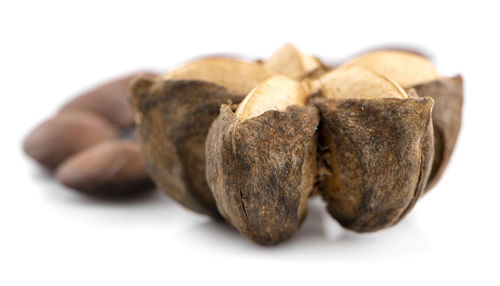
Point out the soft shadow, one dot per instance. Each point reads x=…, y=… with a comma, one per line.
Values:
x=320, y=238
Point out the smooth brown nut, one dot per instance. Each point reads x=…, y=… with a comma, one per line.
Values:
x=447, y=118
x=64, y=135
x=109, y=168
x=261, y=161
x=108, y=100
x=376, y=157
x=173, y=117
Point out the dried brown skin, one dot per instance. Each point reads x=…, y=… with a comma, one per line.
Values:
x=376, y=157
x=173, y=118
x=108, y=100
x=447, y=117
x=107, y=169
x=261, y=171
x=64, y=135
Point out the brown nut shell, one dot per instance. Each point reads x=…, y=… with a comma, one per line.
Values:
x=262, y=170
x=375, y=157
x=110, y=168
x=173, y=118
x=64, y=135
x=447, y=119
x=108, y=100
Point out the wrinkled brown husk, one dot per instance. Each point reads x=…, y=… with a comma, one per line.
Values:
x=262, y=170
x=375, y=158
x=447, y=118
x=173, y=118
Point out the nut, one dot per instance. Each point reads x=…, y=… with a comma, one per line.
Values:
x=79, y=143
x=109, y=168
x=261, y=160
x=376, y=148
x=413, y=71
x=66, y=134
x=173, y=114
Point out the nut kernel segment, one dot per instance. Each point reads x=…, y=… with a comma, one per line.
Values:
x=261, y=161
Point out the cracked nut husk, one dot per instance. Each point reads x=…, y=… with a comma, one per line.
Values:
x=173, y=114
x=261, y=160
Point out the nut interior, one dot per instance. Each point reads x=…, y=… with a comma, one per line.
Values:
x=275, y=93
x=355, y=82
x=235, y=75
x=290, y=61
x=405, y=68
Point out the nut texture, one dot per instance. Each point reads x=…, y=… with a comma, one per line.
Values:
x=376, y=157
x=447, y=118
x=173, y=118
x=262, y=170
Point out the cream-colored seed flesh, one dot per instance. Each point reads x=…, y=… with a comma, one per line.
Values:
x=235, y=75
x=276, y=93
x=291, y=62
x=355, y=82
x=405, y=68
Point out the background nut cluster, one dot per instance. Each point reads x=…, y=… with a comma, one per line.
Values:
x=89, y=143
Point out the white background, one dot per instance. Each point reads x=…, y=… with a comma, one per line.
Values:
x=50, y=235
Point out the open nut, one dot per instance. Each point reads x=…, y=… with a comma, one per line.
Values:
x=173, y=114
x=261, y=160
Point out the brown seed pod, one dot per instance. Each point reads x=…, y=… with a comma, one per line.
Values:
x=107, y=169
x=261, y=161
x=173, y=115
x=173, y=118
x=376, y=149
x=75, y=141
x=447, y=117
x=416, y=72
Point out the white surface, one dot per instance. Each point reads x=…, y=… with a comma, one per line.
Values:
x=50, y=235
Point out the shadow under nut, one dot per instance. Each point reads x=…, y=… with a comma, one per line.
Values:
x=173, y=118
x=262, y=170
x=64, y=135
x=447, y=119
x=376, y=157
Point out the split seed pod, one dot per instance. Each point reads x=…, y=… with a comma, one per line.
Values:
x=261, y=160
x=376, y=148
x=414, y=71
x=173, y=114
